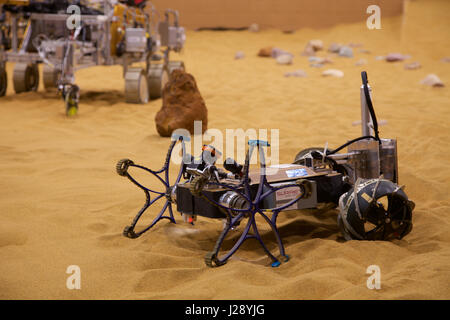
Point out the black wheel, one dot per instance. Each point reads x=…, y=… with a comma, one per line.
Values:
x=3, y=81
x=25, y=77
x=375, y=209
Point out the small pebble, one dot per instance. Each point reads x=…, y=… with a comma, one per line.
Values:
x=333, y=73
x=276, y=52
x=284, y=59
x=355, y=45
x=265, y=52
x=311, y=47
x=239, y=55
x=361, y=62
x=346, y=52
x=296, y=73
x=413, y=66
x=432, y=80
x=254, y=27
x=334, y=47
x=320, y=60
x=394, y=57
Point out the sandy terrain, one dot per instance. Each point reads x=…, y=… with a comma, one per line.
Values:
x=61, y=202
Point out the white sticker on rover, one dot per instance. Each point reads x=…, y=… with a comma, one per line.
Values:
x=296, y=173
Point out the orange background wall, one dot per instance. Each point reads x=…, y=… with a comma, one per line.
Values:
x=281, y=14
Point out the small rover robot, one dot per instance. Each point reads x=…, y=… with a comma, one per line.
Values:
x=362, y=182
x=67, y=36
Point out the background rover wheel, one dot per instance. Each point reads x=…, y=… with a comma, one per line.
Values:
x=25, y=77
x=376, y=210
x=136, y=86
x=3, y=81
x=157, y=79
x=50, y=77
x=174, y=65
x=71, y=101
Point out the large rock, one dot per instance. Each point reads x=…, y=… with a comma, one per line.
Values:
x=182, y=105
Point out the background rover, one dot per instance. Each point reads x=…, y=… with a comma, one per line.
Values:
x=363, y=182
x=109, y=33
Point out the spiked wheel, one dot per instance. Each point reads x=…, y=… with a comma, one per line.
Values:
x=166, y=192
x=375, y=209
x=240, y=203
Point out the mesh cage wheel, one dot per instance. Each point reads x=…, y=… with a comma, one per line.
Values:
x=375, y=209
x=175, y=65
x=25, y=77
x=157, y=79
x=50, y=77
x=136, y=86
x=3, y=81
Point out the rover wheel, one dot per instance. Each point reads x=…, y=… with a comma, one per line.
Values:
x=174, y=65
x=375, y=209
x=136, y=87
x=71, y=98
x=25, y=77
x=157, y=79
x=3, y=81
x=50, y=77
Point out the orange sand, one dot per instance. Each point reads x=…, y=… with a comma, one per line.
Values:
x=61, y=202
